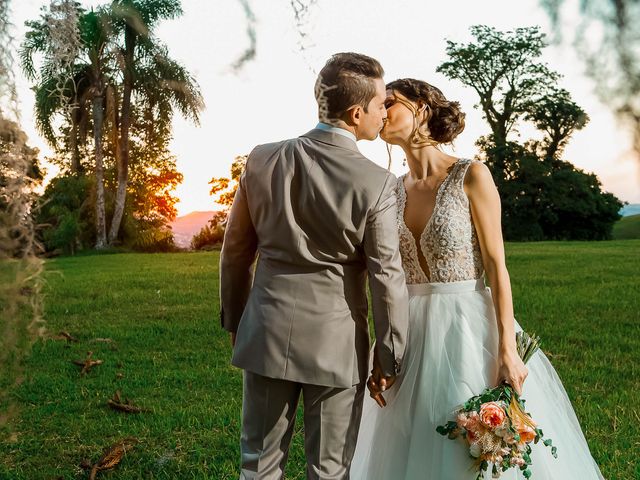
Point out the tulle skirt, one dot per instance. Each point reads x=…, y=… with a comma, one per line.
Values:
x=451, y=355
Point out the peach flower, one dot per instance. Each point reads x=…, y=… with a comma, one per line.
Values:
x=492, y=414
x=527, y=434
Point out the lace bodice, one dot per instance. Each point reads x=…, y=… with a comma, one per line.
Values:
x=449, y=241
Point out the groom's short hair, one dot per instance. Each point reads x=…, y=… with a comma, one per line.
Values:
x=347, y=79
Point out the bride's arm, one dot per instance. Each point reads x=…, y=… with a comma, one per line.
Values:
x=485, y=211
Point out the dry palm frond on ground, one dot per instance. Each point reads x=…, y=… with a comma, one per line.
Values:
x=112, y=456
x=88, y=363
x=67, y=336
x=126, y=406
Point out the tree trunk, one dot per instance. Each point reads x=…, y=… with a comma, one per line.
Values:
x=98, y=121
x=500, y=155
x=125, y=123
x=76, y=169
x=552, y=149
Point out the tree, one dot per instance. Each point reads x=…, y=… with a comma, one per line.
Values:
x=134, y=21
x=122, y=69
x=550, y=199
x=558, y=117
x=212, y=234
x=224, y=190
x=503, y=69
x=522, y=190
x=66, y=85
x=66, y=212
x=152, y=178
x=543, y=197
x=48, y=106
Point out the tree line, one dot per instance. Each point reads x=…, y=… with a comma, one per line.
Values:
x=106, y=89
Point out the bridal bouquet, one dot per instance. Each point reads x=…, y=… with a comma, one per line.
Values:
x=495, y=426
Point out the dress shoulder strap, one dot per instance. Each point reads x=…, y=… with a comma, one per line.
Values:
x=457, y=175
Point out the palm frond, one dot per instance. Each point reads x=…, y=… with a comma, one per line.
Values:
x=35, y=42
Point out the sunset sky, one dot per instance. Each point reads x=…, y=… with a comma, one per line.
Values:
x=271, y=98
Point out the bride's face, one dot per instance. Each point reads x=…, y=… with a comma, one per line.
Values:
x=400, y=118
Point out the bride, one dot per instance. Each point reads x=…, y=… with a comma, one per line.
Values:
x=461, y=334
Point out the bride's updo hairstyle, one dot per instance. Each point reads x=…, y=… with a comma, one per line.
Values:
x=444, y=120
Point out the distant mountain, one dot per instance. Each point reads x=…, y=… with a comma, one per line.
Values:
x=185, y=227
x=631, y=209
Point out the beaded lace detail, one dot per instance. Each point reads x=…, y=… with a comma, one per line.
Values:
x=449, y=241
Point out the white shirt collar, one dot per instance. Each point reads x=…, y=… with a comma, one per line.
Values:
x=340, y=131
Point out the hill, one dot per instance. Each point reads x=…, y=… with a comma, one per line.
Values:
x=185, y=227
x=627, y=228
x=631, y=209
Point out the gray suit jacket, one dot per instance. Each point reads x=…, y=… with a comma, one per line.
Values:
x=318, y=216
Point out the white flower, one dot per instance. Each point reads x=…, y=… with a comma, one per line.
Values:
x=475, y=450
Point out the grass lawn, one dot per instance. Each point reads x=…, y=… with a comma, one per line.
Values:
x=168, y=354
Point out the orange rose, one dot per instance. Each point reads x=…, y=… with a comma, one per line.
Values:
x=492, y=414
x=527, y=434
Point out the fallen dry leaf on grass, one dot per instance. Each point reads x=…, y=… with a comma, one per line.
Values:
x=87, y=364
x=67, y=336
x=116, y=403
x=112, y=456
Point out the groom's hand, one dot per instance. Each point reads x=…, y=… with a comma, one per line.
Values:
x=376, y=392
x=387, y=382
x=377, y=384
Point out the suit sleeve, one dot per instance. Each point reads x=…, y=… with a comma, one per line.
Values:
x=236, y=259
x=387, y=280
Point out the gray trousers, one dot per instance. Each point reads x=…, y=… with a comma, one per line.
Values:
x=331, y=423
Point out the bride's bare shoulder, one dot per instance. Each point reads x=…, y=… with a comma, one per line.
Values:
x=478, y=178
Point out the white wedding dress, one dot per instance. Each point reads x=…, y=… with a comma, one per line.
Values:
x=451, y=355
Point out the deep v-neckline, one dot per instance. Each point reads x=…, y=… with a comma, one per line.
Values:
x=417, y=246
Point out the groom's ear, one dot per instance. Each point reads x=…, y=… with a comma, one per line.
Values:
x=354, y=115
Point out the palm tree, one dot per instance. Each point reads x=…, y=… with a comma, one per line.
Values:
x=84, y=82
x=95, y=36
x=73, y=103
x=149, y=73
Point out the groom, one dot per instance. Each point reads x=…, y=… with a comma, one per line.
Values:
x=318, y=216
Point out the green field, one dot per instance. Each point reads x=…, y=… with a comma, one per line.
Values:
x=168, y=354
x=627, y=228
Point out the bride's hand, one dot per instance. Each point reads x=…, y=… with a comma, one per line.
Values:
x=512, y=371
